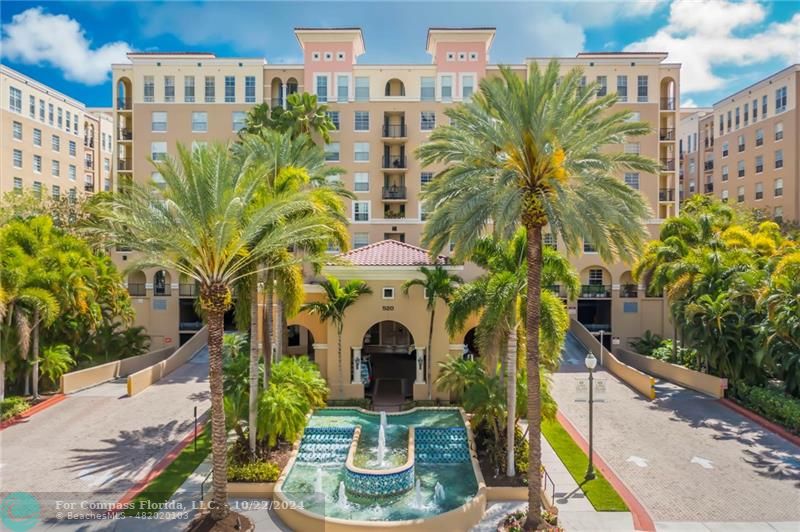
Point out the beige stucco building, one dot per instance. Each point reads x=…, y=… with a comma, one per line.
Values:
x=51, y=143
x=746, y=150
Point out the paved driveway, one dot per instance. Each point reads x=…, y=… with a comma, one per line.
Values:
x=94, y=445
x=685, y=456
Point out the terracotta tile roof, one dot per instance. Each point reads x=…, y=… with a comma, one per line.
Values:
x=391, y=253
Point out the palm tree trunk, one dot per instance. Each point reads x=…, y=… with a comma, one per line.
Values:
x=284, y=329
x=35, y=354
x=215, y=298
x=253, y=397
x=267, y=328
x=511, y=401
x=428, y=353
x=2, y=378
x=534, y=256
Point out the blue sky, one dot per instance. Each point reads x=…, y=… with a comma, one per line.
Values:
x=723, y=45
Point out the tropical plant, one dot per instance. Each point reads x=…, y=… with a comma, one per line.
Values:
x=303, y=115
x=200, y=224
x=303, y=375
x=338, y=298
x=282, y=413
x=647, y=342
x=531, y=152
x=55, y=361
x=437, y=284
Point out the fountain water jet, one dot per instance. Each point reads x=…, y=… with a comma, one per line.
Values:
x=417, y=495
x=318, y=481
x=438, y=493
x=383, y=419
x=342, y=500
x=381, y=445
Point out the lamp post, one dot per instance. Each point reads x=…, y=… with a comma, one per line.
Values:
x=591, y=363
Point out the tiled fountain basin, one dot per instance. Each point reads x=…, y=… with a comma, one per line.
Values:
x=379, y=482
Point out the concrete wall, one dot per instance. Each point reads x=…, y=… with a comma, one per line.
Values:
x=140, y=380
x=84, y=378
x=700, y=382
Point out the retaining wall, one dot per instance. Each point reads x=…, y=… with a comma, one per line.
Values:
x=84, y=378
x=139, y=381
x=688, y=378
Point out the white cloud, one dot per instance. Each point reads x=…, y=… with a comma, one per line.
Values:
x=688, y=102
x=708, y=33
x=34, y=37
x=548, y=33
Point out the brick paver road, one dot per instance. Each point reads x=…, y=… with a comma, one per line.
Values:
x=97, y=443
x=685, y=456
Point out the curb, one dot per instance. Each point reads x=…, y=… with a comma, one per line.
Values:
x=35, y=409
x=159, y=467
x=765, y=423
x=641, y=517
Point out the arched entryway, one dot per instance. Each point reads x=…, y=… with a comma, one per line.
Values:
x=300, y=341
x=388, y=363
x=471, y=344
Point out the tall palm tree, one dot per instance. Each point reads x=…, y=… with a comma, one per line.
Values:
x=438, y=284
x=533, y=152
x=303, y=115
x=201, y=224
x=338, y=298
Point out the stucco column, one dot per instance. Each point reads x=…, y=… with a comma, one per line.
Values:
x=420, y=366
x=356, y=366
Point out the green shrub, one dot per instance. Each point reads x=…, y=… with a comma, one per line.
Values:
x=253, y=472
x=686, y=357
x=646, y=343
x=12, y=406
x=773, y=404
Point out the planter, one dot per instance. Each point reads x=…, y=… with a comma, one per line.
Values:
x=251, y=490
x=506, y=493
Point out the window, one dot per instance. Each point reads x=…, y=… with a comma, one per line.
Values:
x=334, y=116
x=550, y=241
x=250, y=89
x=630, y=307
x=778, y=213
x=32, y=106
x=467, y=86
x=641, y=89
x=778, y=158
x=41, y=110
x=106, y=165
x=106, y=184
x=427, y=120
x=759, y=164
x=361, y=182
x=55, y=168
x=741, y=143
x=425, y=178
x=725, y=172
x=37, y=137
x=17, y=184
x=778, y=189
x=199, y=122
x=622, y=88
x=361, y=211
x=72, y=172
x=158, y=121
x=361, y=122
x=15, y=99
x=427, y=91
x=632, y=147
x=50, y=111
x=759, y=137
x=692, y=167
x=755, y=110
x=60, y=116
x=16, y=130
x=740, y=194
x=37, y=189
x=632, y=180
x=198, y=144
x=332, y=151
x=55, y=142
x=759, y=191
x=740, y=168
x=17, y=158
x=588, y=247
x=75, y=125
x=238, y=120
x=724, y=149
x=56, y=192
x=778, y=131
x=149, y=89
x=362, y=89
x=388, y=293
x=169, y=88
x=158, y=151
x=210, y=92
x=746, y=113
x=360, y=240
x=342, y=88
x=322, y=88
x=729, y=121
x=37, y=164
x=736, y=121
x=361, y=151
x=447, y=88
x=721, y=124
x=68, y=122
x=72, y=148
x=780, y=100
x=230, y=89
x=188, y=89
x=602, y=81
x=635, y=116
x=595, y=276
x=724, y=196
x=157, y=179
x=764, y=106
x=340, y=56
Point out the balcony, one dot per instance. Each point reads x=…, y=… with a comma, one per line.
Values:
x=89, y=165
x=124, y=166
x=628, y=291
x=668, y=164
x=188, y=290
x=137, y=289
x=666, y=194
x=394, y=131
x=162, y=290
x=394, y=215
x=667, y=104
x=124, y=134
x=708, y=188
x=708, y=166
x=123, y=104
x=593, y=291
x=394, y=162
x=88, y=142
x=394, y=192
x=88, y=187
x=666, y=133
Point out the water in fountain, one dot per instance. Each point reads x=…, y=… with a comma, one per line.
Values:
x=342, y=501
x=383, y=419
x=438, y=493
x=318, y=481
x=418, y=495
x=381, y=444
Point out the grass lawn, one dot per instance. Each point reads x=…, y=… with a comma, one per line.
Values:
x=600, y=493
x=164, y=485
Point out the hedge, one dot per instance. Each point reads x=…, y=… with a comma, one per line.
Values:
x=773, y=404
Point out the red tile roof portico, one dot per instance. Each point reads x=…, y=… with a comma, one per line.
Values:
x=391, y=253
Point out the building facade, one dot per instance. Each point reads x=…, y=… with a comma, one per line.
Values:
x=748, y=145
x=50, y=143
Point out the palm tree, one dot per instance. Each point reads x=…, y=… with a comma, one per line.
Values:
x=200, y=223
x=438, y=284
x=533, y=152
x=338, y=298
x=303, y=116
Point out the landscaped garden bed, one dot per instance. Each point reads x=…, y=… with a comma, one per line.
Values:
x=771, y=403
x=514, y=522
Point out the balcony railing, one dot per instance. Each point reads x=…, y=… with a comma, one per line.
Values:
x=188, y=289
x=668, y=104
x=137, y=289
x=394, y=192
x=394, y=161
x=190, y=325
x=666, y=194
x=779, y=163
x=165, y=290
x=668, y=164
x=88, y=142
x=708, y=165
x=122, y=103
x=89, y=165
x=708, y=188
x=88, y=187
x=759, y=168
x=124, y=165
x=124, y=134
x=394, y=215
x=760, y=141
x=595, y=290
x=628, y=291
x=666, y=133
x=394, y=130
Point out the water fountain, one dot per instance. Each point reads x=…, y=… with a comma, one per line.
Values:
x=438, y=493
x=318, y=481
x=341, y=502
x=418, y=495
x=381, y=445
x=383, y=419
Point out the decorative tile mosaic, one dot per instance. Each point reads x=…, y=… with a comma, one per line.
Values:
x=379, y=485
x=325, y=444
x=441, y=445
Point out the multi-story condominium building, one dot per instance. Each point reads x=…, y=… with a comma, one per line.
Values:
x=748, y=145
x=51, y=143
x=690, y=158
x=382, y=114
